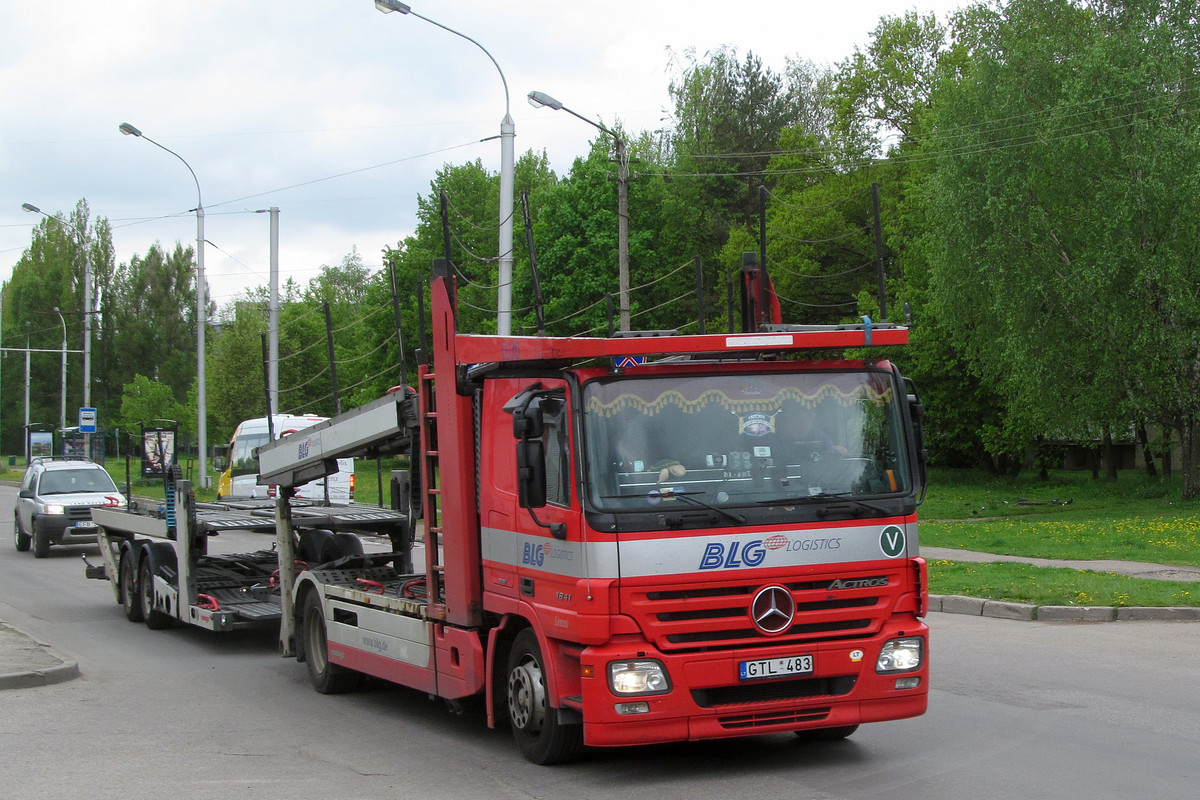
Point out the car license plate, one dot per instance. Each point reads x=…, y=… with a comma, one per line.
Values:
x=85, y=524
x=775, y=667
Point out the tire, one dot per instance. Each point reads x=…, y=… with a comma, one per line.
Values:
x=41, y=542
x=322, y=546
x=22, y=539
x=326, y=678
x=130, y=598
x=826, y=734
x=542, y=738
x=155, y=620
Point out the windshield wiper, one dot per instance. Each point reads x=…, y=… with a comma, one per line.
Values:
x=850, y=496
x=738, y=518
x=806, y=498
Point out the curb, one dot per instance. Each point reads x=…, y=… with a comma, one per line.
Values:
x=996, y=609
x=36, y=665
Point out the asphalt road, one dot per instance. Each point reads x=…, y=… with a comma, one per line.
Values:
x=1017, y=710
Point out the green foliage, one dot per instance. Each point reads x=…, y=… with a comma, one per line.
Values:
x=1071, y=271
x=146, y=402
x=151, y=306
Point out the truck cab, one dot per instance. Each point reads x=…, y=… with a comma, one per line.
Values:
x=710, y=549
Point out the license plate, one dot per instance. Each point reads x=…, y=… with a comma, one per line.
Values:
x=775, y=667
x=85, y=524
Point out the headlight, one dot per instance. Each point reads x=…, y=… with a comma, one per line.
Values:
x=645, y=676
x=54, y=510
x=901, y=655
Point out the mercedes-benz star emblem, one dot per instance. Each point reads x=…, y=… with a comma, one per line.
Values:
x=772, y=610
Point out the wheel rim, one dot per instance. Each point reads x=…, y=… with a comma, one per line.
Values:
x=314, y=629
x=127, y=588
x=527, y=696
x=147, y=593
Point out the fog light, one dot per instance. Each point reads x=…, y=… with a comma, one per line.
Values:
x=640, y=707
x=908, y=683
x=645, y=676
x=900, y=655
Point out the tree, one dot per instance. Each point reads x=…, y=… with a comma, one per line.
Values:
x=49, y=275
x=1065, y=194
x=144, y=401
x=150, y=306
x=729, y=112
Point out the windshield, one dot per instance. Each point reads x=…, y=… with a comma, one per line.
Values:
x=745, y=439
x=241, y=453
x=68, y=481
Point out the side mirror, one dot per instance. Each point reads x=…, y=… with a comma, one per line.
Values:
x=531, y=473
x=218, y=464
x=27, y=494
x=529, y=421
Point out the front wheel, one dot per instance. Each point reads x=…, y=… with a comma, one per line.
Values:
x=41, y=542
x=543, y=739
x=23, y=539
x=326, y=678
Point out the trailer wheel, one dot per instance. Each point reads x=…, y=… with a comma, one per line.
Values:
x=326, y=678
x=155, y=619
x=826, y=734
x=543, y=739
x=23, y=540
x=130, y=600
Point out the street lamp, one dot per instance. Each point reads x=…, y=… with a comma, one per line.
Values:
x=87, y=312
x=201, y=310
x=508, y=132
x=273, y=315
x=62, y=412
x=540, y=99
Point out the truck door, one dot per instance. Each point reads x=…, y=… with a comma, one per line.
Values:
x=532, y=548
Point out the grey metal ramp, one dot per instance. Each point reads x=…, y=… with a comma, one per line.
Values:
x=214, y=521
x=382, y=427
x=346, y=517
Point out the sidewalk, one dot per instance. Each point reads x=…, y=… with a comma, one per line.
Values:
x=26, y=662
x=953, y=604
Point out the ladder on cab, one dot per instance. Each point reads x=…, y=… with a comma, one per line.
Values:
x=431, y=492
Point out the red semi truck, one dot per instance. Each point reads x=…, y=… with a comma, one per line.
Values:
x=633, y=539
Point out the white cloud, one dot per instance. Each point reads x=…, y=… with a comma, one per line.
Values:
x=267, y=94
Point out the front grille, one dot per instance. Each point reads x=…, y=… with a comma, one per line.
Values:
x=769, y=692
x=79, y=513
x=715, y=616
x=772, y=718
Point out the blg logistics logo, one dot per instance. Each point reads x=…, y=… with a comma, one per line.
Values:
x=732, y=555
x=736, y=554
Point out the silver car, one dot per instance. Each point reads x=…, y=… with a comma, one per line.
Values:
x=56, y=500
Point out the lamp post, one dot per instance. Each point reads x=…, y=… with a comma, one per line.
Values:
x=87, y=313
x=540, y=99
x=508, y=132
x=27, y=392
x=62, y=412
x=201, y=311
x=273, y=314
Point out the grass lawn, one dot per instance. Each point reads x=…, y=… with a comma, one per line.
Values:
x=1070, y=516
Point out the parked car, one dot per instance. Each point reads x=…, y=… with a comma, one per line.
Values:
x=56, y=500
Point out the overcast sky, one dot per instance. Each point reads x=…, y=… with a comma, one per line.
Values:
x=335, y=113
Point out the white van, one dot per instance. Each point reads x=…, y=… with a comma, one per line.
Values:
x=239, y=478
